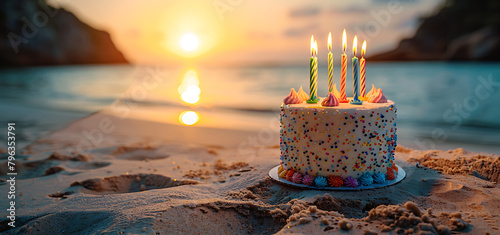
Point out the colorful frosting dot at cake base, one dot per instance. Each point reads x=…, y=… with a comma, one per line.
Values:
x=297, y=178
x=390, y=174
x=308, y=180
x=280, y=169
x=335, y=181
x=283, y=174
x=289, y=175
x=378, y=178
x=366, y=179
x=320, y=181
x=350, y=182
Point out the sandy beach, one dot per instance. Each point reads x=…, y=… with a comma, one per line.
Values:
x=106, y=174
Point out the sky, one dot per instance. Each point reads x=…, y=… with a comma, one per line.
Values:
x=241, y=32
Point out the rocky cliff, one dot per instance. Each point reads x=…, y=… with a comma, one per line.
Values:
x=460, y=30
x=34, y=33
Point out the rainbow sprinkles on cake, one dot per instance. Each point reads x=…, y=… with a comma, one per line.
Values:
x=338, y=141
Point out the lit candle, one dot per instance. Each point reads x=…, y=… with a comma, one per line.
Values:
x=362, y=65
x=330, y=63
x=343, y=69
x=355, y=73
x=313, y=72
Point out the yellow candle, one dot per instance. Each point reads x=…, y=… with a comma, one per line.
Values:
x=330, y=63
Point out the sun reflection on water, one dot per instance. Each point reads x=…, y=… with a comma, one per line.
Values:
x=189, y=88
x=190, y=93
x=189, y=118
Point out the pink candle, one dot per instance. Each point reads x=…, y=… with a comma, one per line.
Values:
x=343, y=70
x=362, y=64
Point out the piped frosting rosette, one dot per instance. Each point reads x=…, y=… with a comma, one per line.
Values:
x=379, y=178
x=366, y=179
x=320, y=181
x=377, y=97
x=370, y=93
x=302, y=94
x=330, y=101
x=308, y=180
x=292, y=98
x=350, y=182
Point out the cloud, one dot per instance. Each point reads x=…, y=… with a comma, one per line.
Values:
x=351, y=9
x=305, y=12
x=302, y=31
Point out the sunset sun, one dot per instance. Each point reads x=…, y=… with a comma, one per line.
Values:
x=189, y=42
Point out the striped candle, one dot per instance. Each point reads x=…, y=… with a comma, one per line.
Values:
x=330, y=72
x=330, y=63
x=355, y=71
x=343, y=74
x=355, y=77
x=362, y=65
x=313, y=79
x=363, y=81
x=313, y=73
x=343, y=69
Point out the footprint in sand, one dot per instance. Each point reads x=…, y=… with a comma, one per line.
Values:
x=129, y=183
x=139, y=152
x=55, y=163
x=65, y=222
x=220, y=218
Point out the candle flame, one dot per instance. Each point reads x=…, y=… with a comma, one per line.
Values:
x=354, y=45
x=312, y=45
x=315, y=47
x=363, y=49
x=330, y=42
x=344, y=41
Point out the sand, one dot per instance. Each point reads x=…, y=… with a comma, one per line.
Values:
x=142, y=177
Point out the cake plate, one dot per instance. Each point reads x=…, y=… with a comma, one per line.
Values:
x=400, y=176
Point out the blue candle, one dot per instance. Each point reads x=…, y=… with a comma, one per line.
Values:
x=355, y=77
x=355, y=74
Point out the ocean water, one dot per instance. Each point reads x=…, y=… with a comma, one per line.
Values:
x=440, y=105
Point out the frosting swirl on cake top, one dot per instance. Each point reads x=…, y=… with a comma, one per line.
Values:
x=292, y=98
x=330, y=100
x=377, y=97
x=302, y=94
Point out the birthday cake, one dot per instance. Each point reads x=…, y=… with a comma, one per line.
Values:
x=337, y=144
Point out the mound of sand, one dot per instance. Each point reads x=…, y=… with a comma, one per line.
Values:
x=482, y=166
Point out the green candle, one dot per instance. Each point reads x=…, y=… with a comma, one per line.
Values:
x=313, y=73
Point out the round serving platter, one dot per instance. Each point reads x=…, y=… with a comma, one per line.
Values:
x=273, y=173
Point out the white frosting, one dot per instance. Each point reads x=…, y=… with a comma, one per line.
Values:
x=325, y=141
